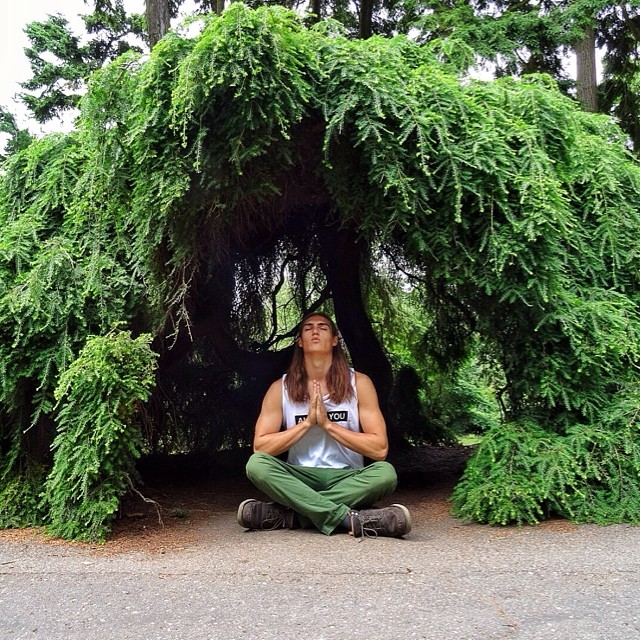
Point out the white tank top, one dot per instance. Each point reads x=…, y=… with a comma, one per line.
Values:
x=316, y=448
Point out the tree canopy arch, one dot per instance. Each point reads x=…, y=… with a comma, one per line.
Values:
x=197, y=178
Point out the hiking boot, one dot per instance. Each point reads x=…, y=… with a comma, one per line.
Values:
x=393, y=522
x=266, y=516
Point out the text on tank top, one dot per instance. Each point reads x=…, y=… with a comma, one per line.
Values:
x=316, y=448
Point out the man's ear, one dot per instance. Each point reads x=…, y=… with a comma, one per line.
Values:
x=335, y=341
x=299, y=342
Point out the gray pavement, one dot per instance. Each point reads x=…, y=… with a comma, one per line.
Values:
x=445, y=580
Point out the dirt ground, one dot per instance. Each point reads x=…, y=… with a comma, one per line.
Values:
x=178, y=495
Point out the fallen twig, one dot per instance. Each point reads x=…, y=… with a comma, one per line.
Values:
x=148, y=500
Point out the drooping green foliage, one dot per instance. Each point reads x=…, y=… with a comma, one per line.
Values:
x=517, y=37
x=20, y=499
x=97, y=443
x=505, y=37
x=522, y=473
x=261, y=152
x=62, y=275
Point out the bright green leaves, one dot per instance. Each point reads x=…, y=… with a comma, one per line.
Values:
x=377, y=148
x=248, y=80
x=61, y=267
x=521, y=473
x=515, y=214
x=501, y=483
x=98, y=440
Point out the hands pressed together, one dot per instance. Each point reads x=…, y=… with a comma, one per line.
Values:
x=370, y=440
x=317, y=415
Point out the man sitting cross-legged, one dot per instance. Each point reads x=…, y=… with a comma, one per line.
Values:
x=327, y=418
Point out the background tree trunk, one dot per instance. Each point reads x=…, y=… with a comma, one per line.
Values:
x=366, y=17
x=586, y=80
x=342, y=252
x=158, y=20
x=316, y=8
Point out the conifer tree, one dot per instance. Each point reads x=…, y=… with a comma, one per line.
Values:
x=155, y=260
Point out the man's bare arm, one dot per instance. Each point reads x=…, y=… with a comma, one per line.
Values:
x=372, y=441
x=268, y=437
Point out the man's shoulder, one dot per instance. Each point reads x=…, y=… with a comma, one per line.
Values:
x=361, y=377
x=275, y=389
x=364, y=386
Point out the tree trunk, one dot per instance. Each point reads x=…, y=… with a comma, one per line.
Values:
x=366, y=17
x=158, y=20
x=316, y=8
x=341, y=263
x=219, y=7
x=587, y=81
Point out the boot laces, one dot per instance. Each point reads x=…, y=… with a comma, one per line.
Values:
x=366, y=526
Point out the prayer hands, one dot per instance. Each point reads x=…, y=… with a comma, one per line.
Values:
x=321, y=411
x=317, y=411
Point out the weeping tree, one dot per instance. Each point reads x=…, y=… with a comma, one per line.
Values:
x=155, y=260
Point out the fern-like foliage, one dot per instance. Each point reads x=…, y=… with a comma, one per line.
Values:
x=522, y=473
x=515, y=215
x=20, y=504
x=98, y=439
x=501, y=484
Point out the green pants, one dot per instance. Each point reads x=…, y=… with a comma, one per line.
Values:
x=321, y=497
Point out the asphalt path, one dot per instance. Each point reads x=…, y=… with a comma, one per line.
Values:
x=444, y=580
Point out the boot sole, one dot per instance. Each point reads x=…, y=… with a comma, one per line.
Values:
x=240, y=510
x=407, y=516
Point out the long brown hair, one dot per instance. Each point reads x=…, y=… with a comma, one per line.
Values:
x=338, y=376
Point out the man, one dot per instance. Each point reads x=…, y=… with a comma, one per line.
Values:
x=326, y=417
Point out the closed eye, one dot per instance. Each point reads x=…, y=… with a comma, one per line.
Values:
x=310, y=327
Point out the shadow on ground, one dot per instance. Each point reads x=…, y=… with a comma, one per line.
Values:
x=179, y=494
x=180, y=497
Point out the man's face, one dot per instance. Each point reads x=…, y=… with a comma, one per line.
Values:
x=316, y=335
